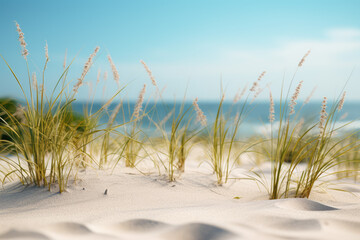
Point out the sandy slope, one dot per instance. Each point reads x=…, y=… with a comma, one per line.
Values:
x=149, y=207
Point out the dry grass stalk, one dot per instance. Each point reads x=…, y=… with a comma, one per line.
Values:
x=34, y=81
x=295, y=97
x=42, y=89
x=139, y=103
x=166, y=118
x=46, y=52
x=256, y=83
x=236, y=119
x=200, y=117
x=149, y=73
x=98, y=76
x=261, y=75
x=239, y=95
x=24, y=51
x=272, y=109
x=163, y=90
x=298, y=127
x=258, y=92
x=310, y=96
x=254, y=86
x=341, y=103
x=105, y=75
x=114, y=70
x=114, y=114
x=91, y=88
x=303, y=59
x=323, y=116
x=19, y=112
x=344, y=116
x=85, y=70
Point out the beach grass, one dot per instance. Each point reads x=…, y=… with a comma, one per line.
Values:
x=45, y=142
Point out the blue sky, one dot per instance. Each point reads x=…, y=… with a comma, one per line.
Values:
x=190, y=46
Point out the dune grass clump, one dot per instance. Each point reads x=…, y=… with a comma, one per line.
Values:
x=221, y=145
x=177, y=140
x=48, y=142
x=224, y=143
x=300, y=153
x=132, y=138
x=325, y=150
x=44, y=142
x=128, y=139
x=172, y=145
x=107, y=139
x=288, y=147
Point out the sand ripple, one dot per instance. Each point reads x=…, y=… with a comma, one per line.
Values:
x=70, y=228
x=260, y=227
x=198, y=231
x=18, y=234
x=141, y=225
x=291, y=224
x=342, y=225
x=303, y=205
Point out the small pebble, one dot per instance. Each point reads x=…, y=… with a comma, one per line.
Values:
x=105, y=193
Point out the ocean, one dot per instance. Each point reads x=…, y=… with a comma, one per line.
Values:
x=255, y=115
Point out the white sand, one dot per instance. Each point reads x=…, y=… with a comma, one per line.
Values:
x=149, y=207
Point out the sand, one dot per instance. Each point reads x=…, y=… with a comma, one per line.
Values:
x=147, y=206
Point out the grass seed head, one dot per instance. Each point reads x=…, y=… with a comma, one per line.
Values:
x=344, y=116
x=310, y=96
x=46, y=52
x=236, y=119
x=200, y=117
x=166, y=118
x=34, y=81
x=149, y=73
x=272, y=109
x=298, y=127
x=303, y=59
x=256, y=83
x=261, y=75
x=323, y=116
x=257, y=93
x=139, y=103
x=254, y=86
x=114, y=70
x=24, y=51
x=114, y=113
x=20, y=113
x=239, y=95
x=295, y=97
x=85, y=70
x=341, y=103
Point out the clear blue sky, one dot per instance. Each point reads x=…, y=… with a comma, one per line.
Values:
x=188, y=44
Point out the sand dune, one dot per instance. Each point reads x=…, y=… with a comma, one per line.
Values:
x=147, y=206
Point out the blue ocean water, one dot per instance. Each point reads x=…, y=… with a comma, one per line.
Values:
x=255, y=115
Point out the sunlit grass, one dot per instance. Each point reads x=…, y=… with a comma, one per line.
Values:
x=44, y=142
